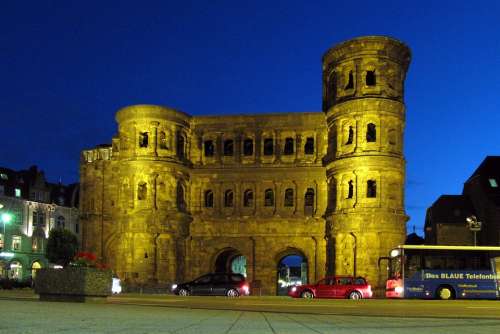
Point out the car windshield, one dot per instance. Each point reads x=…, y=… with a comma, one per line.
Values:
x=202, y=279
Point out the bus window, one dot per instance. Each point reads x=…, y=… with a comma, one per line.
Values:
x=395, y=267
x=413, y=265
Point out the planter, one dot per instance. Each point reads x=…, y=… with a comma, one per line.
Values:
x=75, y=284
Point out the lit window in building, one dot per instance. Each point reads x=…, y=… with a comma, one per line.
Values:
x=309, y=146
x=4, y=176
x=288, y=146
x=228, y=147
x=268, y=146
x=1, y=241
x=16, y=270
x=17, y=192
x=16, y=242
x=493, y=183
x=228, y=199
x=371, y=189
x=248, y=198
x=34, y=244
x=248, y=147
x=289, y=197
x=269, y=197
x=208, y=146
x=209, y=199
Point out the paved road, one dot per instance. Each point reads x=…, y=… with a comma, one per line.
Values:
x=23, y=313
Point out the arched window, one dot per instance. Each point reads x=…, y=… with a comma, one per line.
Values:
x=371, y=189
x=209, y=199
x=309, y=146
x=142, y=191
x=289, y=197
x=269, y=197
x=228, y=147
x=208, y=146
x=371, y=133
x=60, y=222
x=228, y=199
x=248, y=198
x=248, y=147
x=181, y=202
x=350, y=81
x=350, y=135
x=350, y=190
x=309, y=198
x=288, y=146
x=163, y=140
x=143, y=139
x=268, y=146
x=181, y=153
x=371, y=78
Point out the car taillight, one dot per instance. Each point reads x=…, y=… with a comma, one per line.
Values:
x=245, y=288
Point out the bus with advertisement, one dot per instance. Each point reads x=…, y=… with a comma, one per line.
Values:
x=444, y=272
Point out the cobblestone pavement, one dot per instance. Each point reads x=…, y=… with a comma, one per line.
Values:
x=31, y=316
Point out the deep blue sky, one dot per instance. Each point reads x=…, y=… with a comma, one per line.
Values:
x=67, y=66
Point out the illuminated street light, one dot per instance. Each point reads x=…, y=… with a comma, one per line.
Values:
x=474, y=225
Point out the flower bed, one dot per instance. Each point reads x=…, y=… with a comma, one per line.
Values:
x=83, y=281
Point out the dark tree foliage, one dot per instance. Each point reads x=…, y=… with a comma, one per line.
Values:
x=61, y=246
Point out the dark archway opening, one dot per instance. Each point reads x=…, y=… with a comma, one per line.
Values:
x=292, y=270
x=231, y=261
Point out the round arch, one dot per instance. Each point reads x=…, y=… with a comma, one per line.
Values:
x=37, y=264
x=230, y=260
x=292, y=268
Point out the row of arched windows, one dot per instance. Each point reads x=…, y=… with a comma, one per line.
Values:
x=371, y=134
x=268, y=200
x=163, y=142
x=371, y=189
x=248, y=147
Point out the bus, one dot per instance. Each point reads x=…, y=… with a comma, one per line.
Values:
x=444, y=272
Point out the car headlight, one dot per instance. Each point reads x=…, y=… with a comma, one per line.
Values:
x=399, y=289
x=174, y=286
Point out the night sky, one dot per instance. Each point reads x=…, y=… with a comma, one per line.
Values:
x=66, y=67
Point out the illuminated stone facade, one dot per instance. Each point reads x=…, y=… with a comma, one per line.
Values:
x=176, y=196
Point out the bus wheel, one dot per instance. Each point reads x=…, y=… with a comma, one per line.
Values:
x=445, y=293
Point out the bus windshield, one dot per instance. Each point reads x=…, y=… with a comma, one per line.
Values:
x=395, y=267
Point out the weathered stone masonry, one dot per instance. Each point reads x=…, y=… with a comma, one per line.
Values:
x=175, y=196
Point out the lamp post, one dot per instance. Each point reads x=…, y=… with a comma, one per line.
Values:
x=474, y=225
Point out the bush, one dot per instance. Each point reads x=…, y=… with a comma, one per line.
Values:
x=61, y=246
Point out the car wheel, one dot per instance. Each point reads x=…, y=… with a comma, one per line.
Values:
x=183, y=292
x=445, y=293
x=354, y=295
x=232, y=293
x=307, y=295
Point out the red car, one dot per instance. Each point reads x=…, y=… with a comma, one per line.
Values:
x=334, y=287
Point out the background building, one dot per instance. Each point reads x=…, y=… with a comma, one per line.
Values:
x=445, y=222
x=36, y=207
x=176, y=196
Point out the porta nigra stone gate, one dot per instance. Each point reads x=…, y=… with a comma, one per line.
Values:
x=175, y=196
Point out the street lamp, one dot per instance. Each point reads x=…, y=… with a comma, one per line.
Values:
x=474, y=225
x=6, y=218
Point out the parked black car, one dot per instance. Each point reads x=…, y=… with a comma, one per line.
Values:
x=214, y=284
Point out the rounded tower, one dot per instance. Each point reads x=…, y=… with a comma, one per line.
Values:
x=151, y=177
x=363, y=86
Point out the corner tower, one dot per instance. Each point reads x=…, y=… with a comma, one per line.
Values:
x=363, y=86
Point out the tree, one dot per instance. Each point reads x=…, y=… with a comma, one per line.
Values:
x=61, y=246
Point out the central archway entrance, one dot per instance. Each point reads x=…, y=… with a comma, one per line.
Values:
x=231, y=261
x=292, y=270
